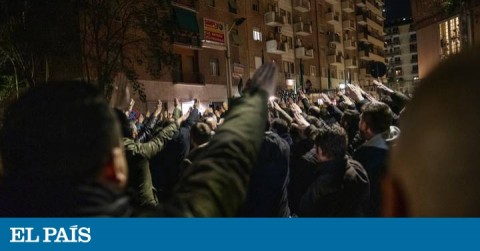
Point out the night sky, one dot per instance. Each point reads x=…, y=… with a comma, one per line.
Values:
x=397, y=9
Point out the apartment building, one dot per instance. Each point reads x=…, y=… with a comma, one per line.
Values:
x=325, y=42
x=442, y=32
x=401, y=54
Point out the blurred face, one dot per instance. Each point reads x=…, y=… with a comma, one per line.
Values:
x=363, y=128
x=175, y=102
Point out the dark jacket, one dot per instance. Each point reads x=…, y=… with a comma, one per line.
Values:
x=302, y=171
x=340, y=189
x=373, y=155
x=165, y=167
x=267, y=191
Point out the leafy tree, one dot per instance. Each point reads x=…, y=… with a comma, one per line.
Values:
x=114, y=32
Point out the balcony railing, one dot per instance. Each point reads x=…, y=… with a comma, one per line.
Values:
x=185, y=39
x=304, y=53
x=362, y=19
x=333, y=17
x=303, y=29
x=334, y=38
x=335, y=59
x=349, y=25
x=350, y=44
x=351, y=63
x=301, y=5
x=274, y=19
x=361, y=3
x=275, y=47
x=348, y=6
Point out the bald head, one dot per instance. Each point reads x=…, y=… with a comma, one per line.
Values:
x=435, y=166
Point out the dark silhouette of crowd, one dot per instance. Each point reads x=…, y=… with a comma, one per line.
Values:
x=66, y=152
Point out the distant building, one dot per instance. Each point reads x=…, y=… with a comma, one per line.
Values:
x=401, y=53
x=442, y=32
x=327, y=42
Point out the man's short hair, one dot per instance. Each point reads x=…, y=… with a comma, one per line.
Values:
x=378, y=116
x=61, y=132
x=332, y=141
x=200, y=133
x=280, y=126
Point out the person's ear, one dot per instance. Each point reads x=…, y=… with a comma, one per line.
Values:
x=115, y=170
x=393, y=201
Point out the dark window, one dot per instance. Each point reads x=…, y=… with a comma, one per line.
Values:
x=232, y=6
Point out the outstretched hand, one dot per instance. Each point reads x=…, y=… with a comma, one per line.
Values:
x=266, y=78
x=354, y=92
x=382, y=87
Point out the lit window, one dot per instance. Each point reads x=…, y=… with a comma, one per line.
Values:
x=257, y=34
x=450, y=37
x=214, y=69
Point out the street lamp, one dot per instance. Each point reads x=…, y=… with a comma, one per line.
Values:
x=237, y=22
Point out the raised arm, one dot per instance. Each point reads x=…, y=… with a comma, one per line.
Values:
x=216, y=183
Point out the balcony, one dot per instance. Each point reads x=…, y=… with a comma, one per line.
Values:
x=361, y=3
x=349, y=25
x=335, y=59
x=376, y=39
x=301, y=5
x=350, y=44
x=275, y=47
x=374, y=6
x=303, y=29
x=351, y=63
x=332, y=2
x=186, y=40
x=395, y=62
x=274, y=19
x=362, y=19
x=187, y=77
x=333, y=18
x=364, y=72
x=377, y=55
x=364, y=54
x=348, y=6
x=334, y=38
x=303, y=53
x=363, y=37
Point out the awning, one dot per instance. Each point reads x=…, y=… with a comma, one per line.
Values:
x=186, y=20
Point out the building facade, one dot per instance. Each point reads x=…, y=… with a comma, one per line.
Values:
x=401, y=54
x=322, y=42
x=442, y=32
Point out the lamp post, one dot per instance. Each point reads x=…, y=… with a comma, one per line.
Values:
x=237, y=22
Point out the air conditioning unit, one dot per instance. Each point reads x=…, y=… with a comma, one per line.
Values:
x=278, y=30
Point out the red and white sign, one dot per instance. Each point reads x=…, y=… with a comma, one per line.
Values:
x=214, y=31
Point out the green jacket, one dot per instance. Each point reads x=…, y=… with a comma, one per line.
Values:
x=138, y=156
x=216, y=183
x=177, y=113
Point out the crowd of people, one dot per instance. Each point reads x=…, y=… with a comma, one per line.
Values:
x=65, y=152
